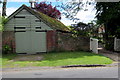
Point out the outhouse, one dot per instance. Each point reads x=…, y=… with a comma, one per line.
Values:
x=29, y=31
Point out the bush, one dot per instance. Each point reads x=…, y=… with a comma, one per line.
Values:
x=6, y=49
x=109, y=44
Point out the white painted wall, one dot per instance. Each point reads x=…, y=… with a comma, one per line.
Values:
x=116, y=44
x=94, y=45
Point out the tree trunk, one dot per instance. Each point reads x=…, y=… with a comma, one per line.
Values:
x=106, y=37
x=4, y=8
x=106, y=31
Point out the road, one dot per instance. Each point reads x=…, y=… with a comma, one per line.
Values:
x=98, y=72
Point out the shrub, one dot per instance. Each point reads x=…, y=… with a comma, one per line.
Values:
x=6, y=49
x=48, y=9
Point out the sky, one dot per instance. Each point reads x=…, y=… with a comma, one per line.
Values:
x=84, y=16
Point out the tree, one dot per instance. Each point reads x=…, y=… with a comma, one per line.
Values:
x=4, y=8
x=2, y=18
x=109, y=14
x=82, y=29
x=0, y=3
x=48, y=10
x=70, y=8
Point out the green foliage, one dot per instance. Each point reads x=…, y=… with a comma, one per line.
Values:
x=109, y=14
x=82, y=29
x=6, y=49
x=69, y=27
x=107, y=11
x=1, y=25
x=118, y=32
x=109, y=45
x=83, y=33
x=3, y=20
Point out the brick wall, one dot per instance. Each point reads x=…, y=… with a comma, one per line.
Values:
x=56, y=41
x=8, y=38
x=51, y=40
x=66, y=42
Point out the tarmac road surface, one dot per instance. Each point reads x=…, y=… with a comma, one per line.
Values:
x=96, y=72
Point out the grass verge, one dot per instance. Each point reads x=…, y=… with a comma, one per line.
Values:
x=57, y=59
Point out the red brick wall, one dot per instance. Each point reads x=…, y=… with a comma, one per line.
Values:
x=51, y=40
x=8, y=38
x=66, y=42
x=56, y=41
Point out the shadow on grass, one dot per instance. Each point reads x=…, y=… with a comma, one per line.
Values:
x=9, y=56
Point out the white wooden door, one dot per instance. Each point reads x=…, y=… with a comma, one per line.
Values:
x=38, y=41
x=30, y=42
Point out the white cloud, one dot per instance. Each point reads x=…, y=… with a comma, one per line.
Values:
x=10, y=10
x=66, y=21
x=84, y=16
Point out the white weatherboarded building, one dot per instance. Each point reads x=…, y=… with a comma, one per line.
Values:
x=30, y=32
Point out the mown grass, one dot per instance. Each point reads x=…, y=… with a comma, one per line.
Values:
x=58, y=59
